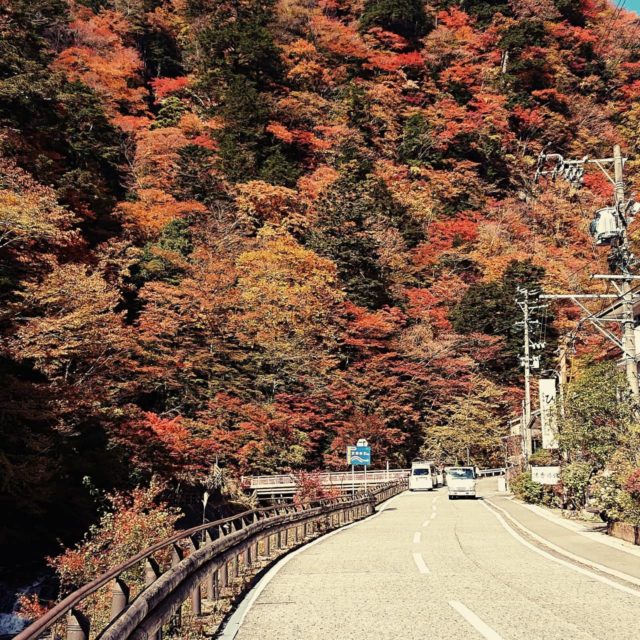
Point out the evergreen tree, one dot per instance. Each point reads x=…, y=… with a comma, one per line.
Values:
x=237, y=41
x=405, y=17
x=491, y=308
x=245, y=115
x=195, y=178
x=170, y=112
x=161, y=260
x=277, y=168
x=348, y=215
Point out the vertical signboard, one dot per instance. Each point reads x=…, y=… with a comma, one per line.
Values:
x=548, y=419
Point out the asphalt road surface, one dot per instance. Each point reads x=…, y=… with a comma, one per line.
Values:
x=427, y=567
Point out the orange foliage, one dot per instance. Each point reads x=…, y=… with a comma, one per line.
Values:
x=163, y=87
x=100, y=59
x=155, y=208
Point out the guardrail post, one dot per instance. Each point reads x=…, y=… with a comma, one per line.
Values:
x=196, y=601
x=77, y=625
x=212, y=586
x=177, y=556
x=151, y=572
x=119, y=597
x=267, y=546
x=223, y=575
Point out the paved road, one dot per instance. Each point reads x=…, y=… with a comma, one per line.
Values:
x=427, y=567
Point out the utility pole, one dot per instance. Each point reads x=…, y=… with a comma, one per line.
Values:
x=562, y=376
x=608, y=228
x=629, y=340
x=527, y=362
x=527, y=378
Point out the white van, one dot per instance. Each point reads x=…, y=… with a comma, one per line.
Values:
x=461, y=481
x=424, y=476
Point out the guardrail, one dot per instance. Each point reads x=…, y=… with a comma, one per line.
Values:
x=326, y=478
x=492, y=472
x=209, y=555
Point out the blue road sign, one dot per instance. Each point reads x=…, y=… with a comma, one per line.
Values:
x=361, y=455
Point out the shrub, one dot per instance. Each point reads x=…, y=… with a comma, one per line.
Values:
x=632, y=485
x=575, y=478
x=526, y=489
x=131, y=522
x=544, y=458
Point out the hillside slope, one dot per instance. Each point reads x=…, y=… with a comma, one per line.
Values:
x=255, y=231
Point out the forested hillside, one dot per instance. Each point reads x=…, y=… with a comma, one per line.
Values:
x=256, y=230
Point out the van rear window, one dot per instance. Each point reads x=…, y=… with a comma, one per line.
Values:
x=460, y=473
x=421, y=472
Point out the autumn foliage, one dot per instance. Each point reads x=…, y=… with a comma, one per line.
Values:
x=257, y=231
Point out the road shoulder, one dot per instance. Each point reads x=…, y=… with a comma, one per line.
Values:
x=544, y=529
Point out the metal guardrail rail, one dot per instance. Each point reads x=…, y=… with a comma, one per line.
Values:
x=217, y=552
x=499, y=471
x=342, y=479
x=287, y=481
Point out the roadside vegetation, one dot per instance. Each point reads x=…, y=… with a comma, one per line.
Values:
x=599, y=449
x=240, y=235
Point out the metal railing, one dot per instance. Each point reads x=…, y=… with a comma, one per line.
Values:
x=500, y=471
x=209, y=555
x=326, y=478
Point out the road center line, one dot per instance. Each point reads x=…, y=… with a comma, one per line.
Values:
x=416, y=537
x=481, y=627
x=420, y=563
x=426, y=523
x=433, y=515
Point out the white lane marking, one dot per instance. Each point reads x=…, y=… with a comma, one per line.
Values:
x=481, y=627
x=237, y=618
x=420, y=563
x=564, y=563
x=433, y=515
x=568, y=554
x=416, y=537
x=426, y=523
x=594, y=536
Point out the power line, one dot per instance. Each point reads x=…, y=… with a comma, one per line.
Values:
x=609, y=227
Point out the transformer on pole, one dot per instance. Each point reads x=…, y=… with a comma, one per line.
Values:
x=608, y=228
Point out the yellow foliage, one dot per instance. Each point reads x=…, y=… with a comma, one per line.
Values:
x=289, y=300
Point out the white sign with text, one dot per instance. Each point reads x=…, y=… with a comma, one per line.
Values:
x=545, y=475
